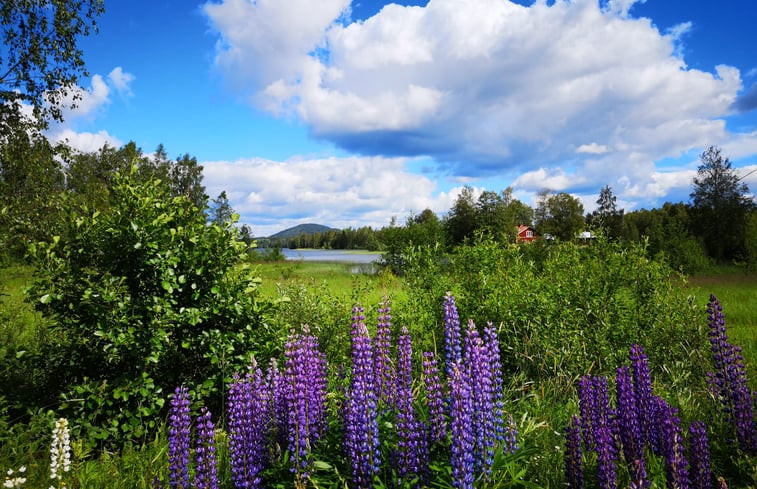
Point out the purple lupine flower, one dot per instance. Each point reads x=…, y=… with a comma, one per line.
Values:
x=699, y=456
x=434, y=398
x=629, y=431
x=178, y=439
x=573, y=456
x=729, y=379
x=277, y=406
x=498, y=385
x=411, y=446
x=206, y=476
x=627, y=415
x=671, y=441
x=248, y=408
x=586, y=401
x=305, y=394
x=642, y=389
x=383, y=369
x=452, y=348
x=361, y=416
x=461, y=414
x=602, y=432
x=477, y=373
x=510, y=441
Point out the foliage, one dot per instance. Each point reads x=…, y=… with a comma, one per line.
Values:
x=560, y=215
x=720, y=203
x=667, y=233
x=220, y=209
x=40, y=62
x=607, y=217
x=31, y=180
x=146, y=295
x=563, y=307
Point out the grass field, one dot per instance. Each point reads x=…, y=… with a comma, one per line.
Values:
x=341, y=279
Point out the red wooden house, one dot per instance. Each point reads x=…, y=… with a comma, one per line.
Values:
x=526, y=234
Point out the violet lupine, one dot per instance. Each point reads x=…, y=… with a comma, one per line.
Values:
x=699, y=456
x=248, y=415
x=434, y=398
x=461, y=418
x=452, y=339
x=498, y=385
x=729, y=379
x=206, y=474
x=586, y=401
x=277, y=406
x=573, y=455
x=305, y=394
x=597, y=427
x=642, y=388
x=412, y=447
x=178, y=439
x=383, y=369
x=510, y=441
x=478, y=375
x=629, y=430
x=671, y=442
x=361, y=416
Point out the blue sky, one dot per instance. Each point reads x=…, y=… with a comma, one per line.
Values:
x=347, y=114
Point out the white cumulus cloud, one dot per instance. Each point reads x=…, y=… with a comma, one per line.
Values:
x=340, y=192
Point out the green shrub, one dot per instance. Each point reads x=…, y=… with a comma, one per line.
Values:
x=146, y=296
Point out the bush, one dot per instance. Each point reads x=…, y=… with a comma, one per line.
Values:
x=562, y=309
x=147, y=295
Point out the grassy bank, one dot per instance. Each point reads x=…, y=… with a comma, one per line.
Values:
x=343, y=280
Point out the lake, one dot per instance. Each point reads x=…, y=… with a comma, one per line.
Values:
x=342, y=256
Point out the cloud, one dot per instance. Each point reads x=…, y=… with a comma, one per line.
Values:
x=121, y=81
x=340, y=192
x=592, y=149
x=86, y=141
x=85, y=104
x=747, y=100
x=484, y=87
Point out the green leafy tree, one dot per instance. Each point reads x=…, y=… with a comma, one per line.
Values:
x=560, y=215
x=147, y=296
x=186, y=179
x=40, y=61
x=31, y=182
x=607, y=217
x=460, y=223
x=220, y=210
x=720, y=204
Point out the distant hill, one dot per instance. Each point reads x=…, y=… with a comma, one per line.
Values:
x=299, y=229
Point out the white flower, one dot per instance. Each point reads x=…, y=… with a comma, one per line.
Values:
x=60, y=449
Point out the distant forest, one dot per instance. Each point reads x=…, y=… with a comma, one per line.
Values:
x=719, y=224
x=41, y=183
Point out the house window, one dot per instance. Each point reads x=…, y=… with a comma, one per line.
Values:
x=529, y=234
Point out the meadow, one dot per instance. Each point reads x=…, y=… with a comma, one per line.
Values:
x=561, y=315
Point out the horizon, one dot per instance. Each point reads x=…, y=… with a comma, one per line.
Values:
x=349, y=114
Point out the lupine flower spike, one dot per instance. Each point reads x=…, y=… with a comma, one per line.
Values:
x=434, y=398
x=361, y=419
x=728, y=382
x=573, y=455
x=700, y=472
x=206, y=476
x=178, y=439
x=60, y=450
x=452, y=348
